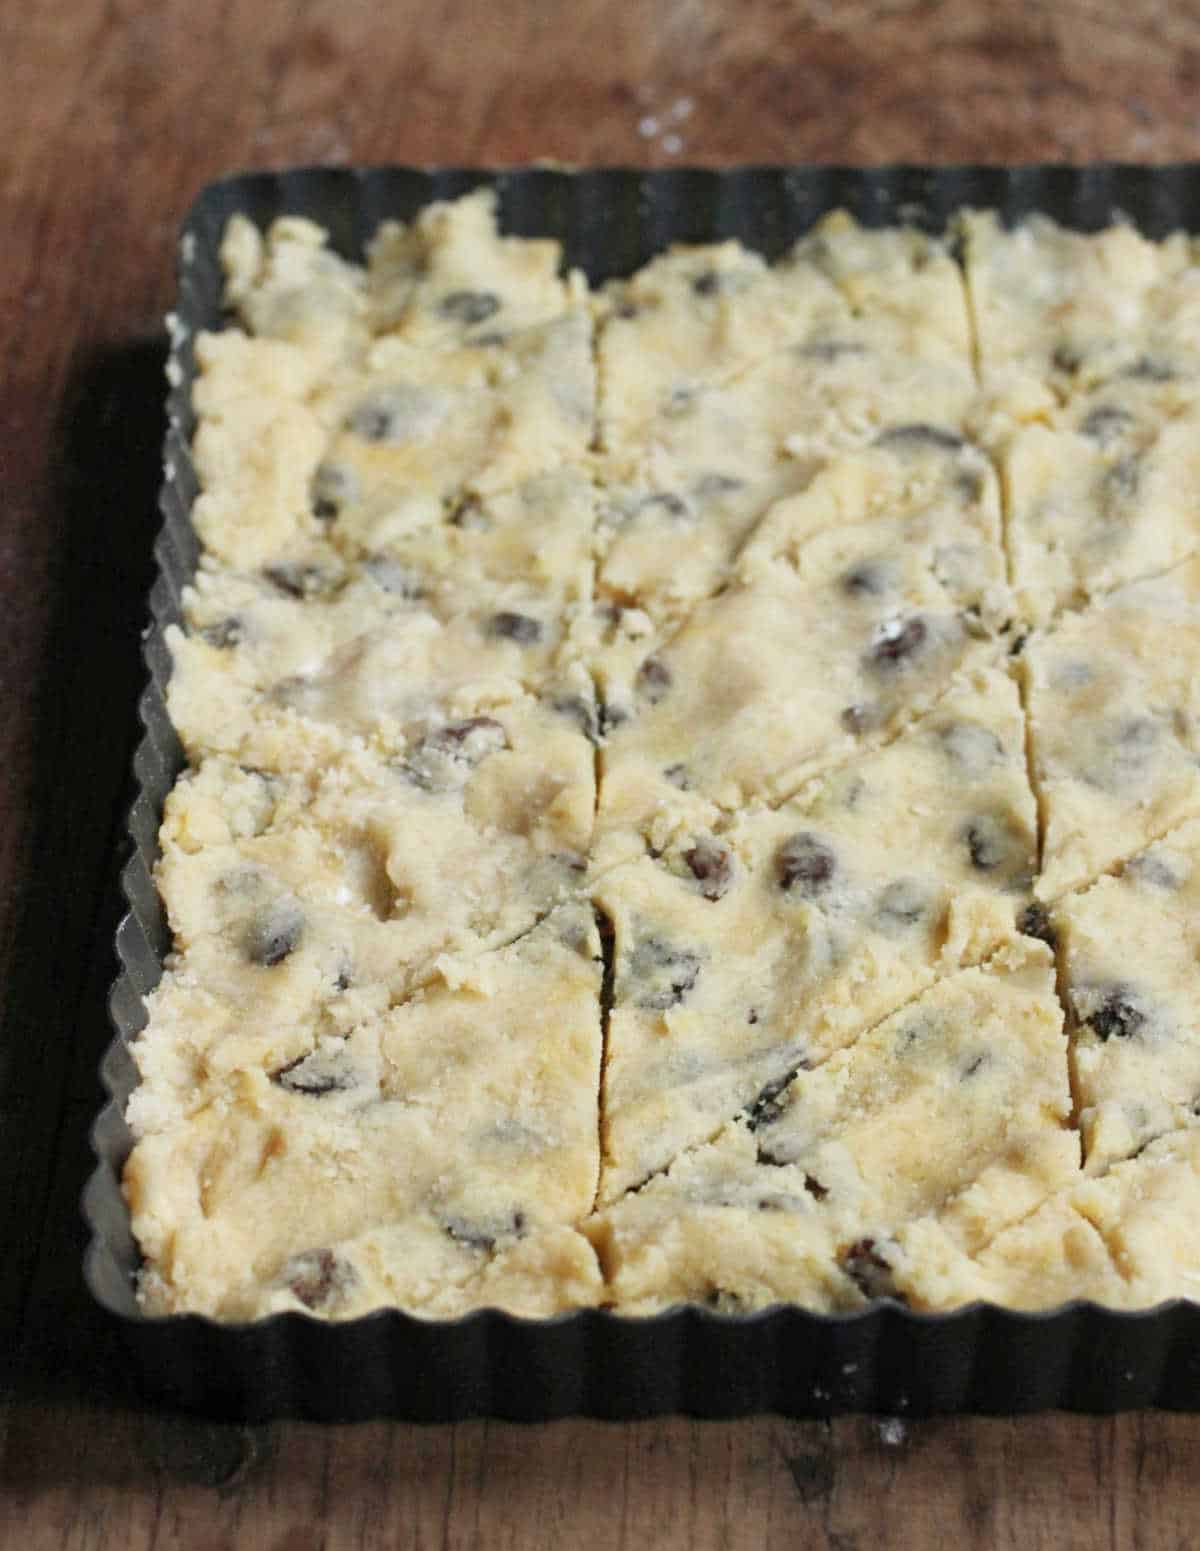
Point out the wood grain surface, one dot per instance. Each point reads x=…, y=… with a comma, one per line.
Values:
x=112, y=114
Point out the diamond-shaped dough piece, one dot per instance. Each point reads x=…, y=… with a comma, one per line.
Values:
x=1114, y=720
x=953, y=1109
x=743, y=955
x=1130, y=953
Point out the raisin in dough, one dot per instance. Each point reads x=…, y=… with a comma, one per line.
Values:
x=697, y=315
x=954, y=1109
x=352, y=411
x=1103, y=493
x=1070, y=310
x=449, y=277
x=1129, y=1239
x=852, y=610
x=471, y=1107
x=283, y=666
x=1130, y=951
x=743, y=955
x=688, y=488
x=1113, y=698
x=302, y=904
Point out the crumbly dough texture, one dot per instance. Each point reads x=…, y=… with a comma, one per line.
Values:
x=694, y=785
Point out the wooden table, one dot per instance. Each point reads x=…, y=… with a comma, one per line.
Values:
x=112, y=113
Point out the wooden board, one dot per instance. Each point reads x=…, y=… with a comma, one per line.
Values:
x=111, y=116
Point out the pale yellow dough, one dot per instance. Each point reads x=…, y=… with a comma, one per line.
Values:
x=455, y=1126
x=1114, y=725
x=1130, y=1239
x=954, y=1109
x=636, y=738
x=885, y=577
x=743, y=955
x=1130, y=949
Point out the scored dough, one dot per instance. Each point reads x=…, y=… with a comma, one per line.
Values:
x=953, y=1108
x=470, y=1107
x=743, y=955
x=1130, y=952
x=1114, y=726
x=608, y=870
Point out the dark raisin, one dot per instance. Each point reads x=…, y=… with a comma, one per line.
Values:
x=400, y=413
x=398, y=580
x=858, y=719
x=897, y=642
x=829, y=350
x=1106, y=424
x=752, y=1015
x=580, y=711
x=867, y=579
x=332, y=487
x=865, y=1265
x=988, y=841
x=805, y=865
x=296, y=580
x=344, y=978
x=520, y=628
x=766, y=1108
x=472, y=739
x=975, y=1064
x=1153, y=870
x=274, y=934
x=1117, y=1015
x=316, y=1074
x=1122, y=480
x=611, y=717
x=469, y=307
x=779, y=1202
x=319, y=1278
x=900, y=906
x=224, y=634
x=724, y=1301
x=918, y=434
x=469, y=515
x=443, y=759
x=815, y=1188
x=709, y=487
x=1148, y=369
x=678, y=776
x=653, y=679
x=1138, y=734
x=708, y=283
x=1034, y=921
x=974, y=749
x=662, y=973
x=484, y=1236
x=667, y=501
x=712, y=867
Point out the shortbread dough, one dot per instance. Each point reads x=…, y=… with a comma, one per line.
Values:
x=882, y=581
x=1130, y=950
x=954, y=1108
x=1114, y=726
x=456, y=1126
x=1129, y=1239
x=836, y=908
x=693, y=785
